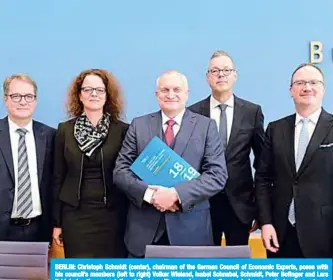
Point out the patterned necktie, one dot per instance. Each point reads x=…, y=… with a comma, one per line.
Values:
x=302, y=146
x=169, y=134
x=24, y=196
x=223, y=124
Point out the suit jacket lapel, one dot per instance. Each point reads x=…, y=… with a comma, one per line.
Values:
x=5, y=146
x=74, y=147
x=236, y=123
x=108, y=143
x=323, y=127
x=205, y=107
x=289, y=143
x=156, y=125
x=40, y=142
x=185, y=132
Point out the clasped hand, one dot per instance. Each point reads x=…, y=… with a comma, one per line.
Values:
x=164, y=199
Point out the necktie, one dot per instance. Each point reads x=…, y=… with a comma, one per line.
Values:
x=302, y=145
x=169, y=134
x=24, y=196
x=223, y=124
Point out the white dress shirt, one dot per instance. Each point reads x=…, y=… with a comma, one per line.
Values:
x=313, y=119
x=215, y=112
x=32, y=161
x=178, y=121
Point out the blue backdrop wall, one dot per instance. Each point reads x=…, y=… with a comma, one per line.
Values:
x=137, y=40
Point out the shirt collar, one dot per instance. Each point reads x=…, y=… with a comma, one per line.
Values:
x=215, y=103
x=178, y=119
x=313, y=117
x=13, y=126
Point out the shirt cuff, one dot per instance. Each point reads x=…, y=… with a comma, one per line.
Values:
x=177, y=195
x=148, y=195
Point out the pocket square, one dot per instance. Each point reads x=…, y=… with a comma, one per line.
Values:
x=326, y=145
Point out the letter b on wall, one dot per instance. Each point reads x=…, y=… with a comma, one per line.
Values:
x=316, y=52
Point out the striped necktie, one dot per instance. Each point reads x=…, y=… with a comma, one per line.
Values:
x=24, y=196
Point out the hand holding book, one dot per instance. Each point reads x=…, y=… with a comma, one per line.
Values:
x=165, y=199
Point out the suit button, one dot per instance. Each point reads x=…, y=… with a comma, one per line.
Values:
x=296, y=182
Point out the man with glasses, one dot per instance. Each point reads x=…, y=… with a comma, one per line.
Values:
x=25, y=165
x=294, y=181
x=240, y=124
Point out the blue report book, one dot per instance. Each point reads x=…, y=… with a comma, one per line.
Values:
x=159, y=165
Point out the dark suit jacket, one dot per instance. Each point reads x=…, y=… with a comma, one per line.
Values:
x=198, y=143
x=247, y=133
x=312, y=186
x=44, y=138
x=68, y=162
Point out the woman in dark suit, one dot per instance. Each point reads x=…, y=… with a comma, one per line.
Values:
x=89, y=212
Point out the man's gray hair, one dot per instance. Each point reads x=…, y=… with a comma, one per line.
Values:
x=172, y=72
x=219, y=53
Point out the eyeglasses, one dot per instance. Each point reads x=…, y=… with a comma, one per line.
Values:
x=225, y=71
x=312, y=83
x=16, y=97
x=90, y=90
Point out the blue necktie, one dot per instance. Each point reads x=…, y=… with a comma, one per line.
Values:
x=223, y=124
x=302, y=145
x=24, y=196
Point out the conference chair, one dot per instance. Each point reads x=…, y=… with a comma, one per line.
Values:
x=208, y=252
x=23, y=260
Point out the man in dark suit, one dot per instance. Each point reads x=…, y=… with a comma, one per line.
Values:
x=295, y=177
x=26, y=165
x=240, y=124
x=178, y=215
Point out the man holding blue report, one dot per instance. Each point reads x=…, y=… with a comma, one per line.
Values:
x=177, y=214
